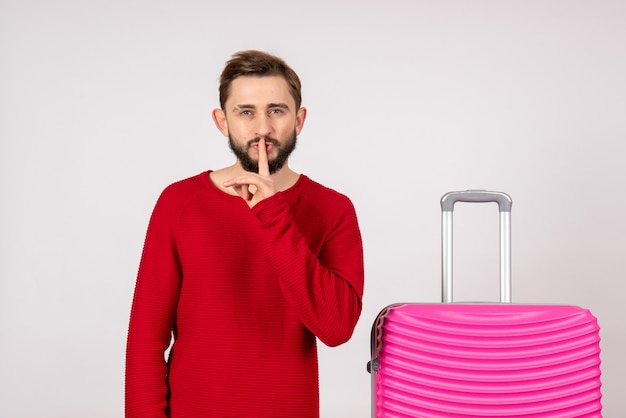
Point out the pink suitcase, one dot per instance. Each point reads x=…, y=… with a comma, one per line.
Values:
x=484, y=359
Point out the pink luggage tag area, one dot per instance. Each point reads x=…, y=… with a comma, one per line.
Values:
x=484, y=359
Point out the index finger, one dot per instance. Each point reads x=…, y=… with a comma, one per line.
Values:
x=264, y=167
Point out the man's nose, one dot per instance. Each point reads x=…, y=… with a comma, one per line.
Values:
x=263, y=126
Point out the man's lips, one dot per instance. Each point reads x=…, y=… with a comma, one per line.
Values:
x=268, y=144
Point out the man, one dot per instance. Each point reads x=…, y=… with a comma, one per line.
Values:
x=246, y=266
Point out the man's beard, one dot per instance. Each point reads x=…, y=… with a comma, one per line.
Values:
x=248, y=164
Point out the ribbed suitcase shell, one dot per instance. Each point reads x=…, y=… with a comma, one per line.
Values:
x=485, y=360
x=460, y=360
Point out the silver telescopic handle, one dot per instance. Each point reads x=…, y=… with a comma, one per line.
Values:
x=504, y=207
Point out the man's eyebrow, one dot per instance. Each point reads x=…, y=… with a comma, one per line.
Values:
x=280, y=105
x=243, y=106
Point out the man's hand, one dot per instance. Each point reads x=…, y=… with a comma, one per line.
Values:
x=253, y=187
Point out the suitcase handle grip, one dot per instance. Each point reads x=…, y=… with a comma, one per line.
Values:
x=481, y=196
x=504, y=202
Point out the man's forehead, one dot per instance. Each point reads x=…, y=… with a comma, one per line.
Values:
x=260, y=91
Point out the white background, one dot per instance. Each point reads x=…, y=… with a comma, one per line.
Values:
x=102, y=104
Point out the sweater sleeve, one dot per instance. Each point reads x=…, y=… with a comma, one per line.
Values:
x=152, y=316
x=326, y=289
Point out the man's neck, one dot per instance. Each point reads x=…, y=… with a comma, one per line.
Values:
x=285, y=178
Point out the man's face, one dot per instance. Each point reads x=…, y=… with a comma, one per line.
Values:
x=261, y=107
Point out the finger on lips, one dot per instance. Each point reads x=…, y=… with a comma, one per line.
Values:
x=264, y=168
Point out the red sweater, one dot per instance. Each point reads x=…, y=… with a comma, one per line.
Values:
x=245, y=293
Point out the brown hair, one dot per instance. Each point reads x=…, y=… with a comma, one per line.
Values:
x=257, y=63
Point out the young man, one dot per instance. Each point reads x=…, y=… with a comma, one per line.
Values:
x=246, y=266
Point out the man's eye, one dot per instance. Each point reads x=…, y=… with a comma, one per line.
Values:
x=245, y=112
x=276, y=111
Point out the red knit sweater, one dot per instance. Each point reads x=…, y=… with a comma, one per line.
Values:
x=245, y=293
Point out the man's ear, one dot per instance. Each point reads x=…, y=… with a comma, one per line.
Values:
x=219, y=117
x=300, y=117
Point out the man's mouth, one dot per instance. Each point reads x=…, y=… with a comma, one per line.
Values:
x=269, y=143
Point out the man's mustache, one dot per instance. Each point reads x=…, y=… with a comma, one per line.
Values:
x=272, y=141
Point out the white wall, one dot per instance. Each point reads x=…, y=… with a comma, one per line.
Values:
x=102, y=104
